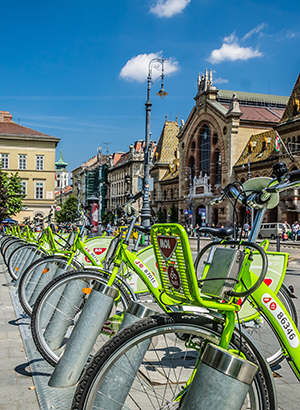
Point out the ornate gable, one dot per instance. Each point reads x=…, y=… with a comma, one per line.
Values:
x=292, y=110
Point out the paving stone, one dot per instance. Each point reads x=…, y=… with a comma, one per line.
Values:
x=8, y=395
x=9, y=407
x=4, y=352
x=17, y=351
x=7, y=378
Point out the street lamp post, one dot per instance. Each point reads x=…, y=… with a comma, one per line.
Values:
x=145, y=212
x=99, y=149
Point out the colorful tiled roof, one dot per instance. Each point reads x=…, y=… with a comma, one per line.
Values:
x=260, y=147
x=292, y=110
x=173, y=171
x=253, y=98
x=167, y=143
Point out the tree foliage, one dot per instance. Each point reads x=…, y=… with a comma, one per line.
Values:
x=68, y=211
x=160, y=216
x=173, y=212
x=15, y=195
x=10, y=194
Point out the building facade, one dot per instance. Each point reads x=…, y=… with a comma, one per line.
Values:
x=211, y=141
x=32, y=155
x=125, y=175
x=281, y=144
x=165, y=170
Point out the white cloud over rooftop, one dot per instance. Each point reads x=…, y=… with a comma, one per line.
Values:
x=232, y=50
x=168, y=8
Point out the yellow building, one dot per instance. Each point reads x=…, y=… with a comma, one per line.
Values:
x=31, y=154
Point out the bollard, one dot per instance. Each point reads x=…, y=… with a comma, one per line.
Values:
x=222, y=381
x=61, y=310
x=83, y=337
x=278, y=244
x=23, y=263
x=39, y=279
x=31, y=259
x=110, y=396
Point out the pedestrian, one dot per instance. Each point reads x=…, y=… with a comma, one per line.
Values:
x=108, y=229
x=284, y=231
x=246, y=230
x=295, y=229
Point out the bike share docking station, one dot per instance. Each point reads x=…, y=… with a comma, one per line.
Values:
x=86, y=331
x=222, y=381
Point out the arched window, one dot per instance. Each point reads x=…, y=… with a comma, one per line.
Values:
x=165, y=195
x=192, y=167
x=172, y=193
x=293, y=144
x=204, y=148
x=218, y=175
x=154, y=194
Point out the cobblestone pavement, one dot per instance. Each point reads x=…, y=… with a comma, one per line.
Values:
x=15, y=375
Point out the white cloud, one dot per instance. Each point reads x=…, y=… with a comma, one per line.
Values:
x=220, y=80
x=256, y=30
x=136, y=69
x=168, y=8
x=231, y=50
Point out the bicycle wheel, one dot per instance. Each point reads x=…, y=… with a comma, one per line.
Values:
x=58, y=308
x=38, y=275
x=264, y=334
x=10, y=248
x=165, y=368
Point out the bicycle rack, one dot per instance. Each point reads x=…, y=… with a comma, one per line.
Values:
x=84, y=335
x=229, y=378
x=126, y=368
x=60, y=310
x=26, y=262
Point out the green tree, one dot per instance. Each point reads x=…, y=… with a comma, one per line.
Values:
x=15, y=196
x=3, y=196
x=10, y=194
x=68, y=211
x=173, y=212
x=160, y=216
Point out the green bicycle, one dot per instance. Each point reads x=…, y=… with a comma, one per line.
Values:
x=163, y=376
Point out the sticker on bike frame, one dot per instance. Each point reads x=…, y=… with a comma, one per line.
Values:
x=167, y=245
x=174, y=277
x=92, y=254
x=147, y=272
x=282, y=319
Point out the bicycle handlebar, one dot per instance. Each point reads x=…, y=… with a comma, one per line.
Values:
x=260, y=196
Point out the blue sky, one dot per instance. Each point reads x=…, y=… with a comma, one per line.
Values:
x=77, y=70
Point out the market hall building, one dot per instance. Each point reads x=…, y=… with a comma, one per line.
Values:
x=216, y=144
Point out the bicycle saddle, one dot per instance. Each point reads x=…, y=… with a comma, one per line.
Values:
x=218, y=232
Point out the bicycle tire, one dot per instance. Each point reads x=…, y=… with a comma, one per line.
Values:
x=58, y=311
x=262, y=331
x=16, y=259
x=34, y=279
x=155, y=375
x=265, y=335
x=6, y=241
x=10, y=248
